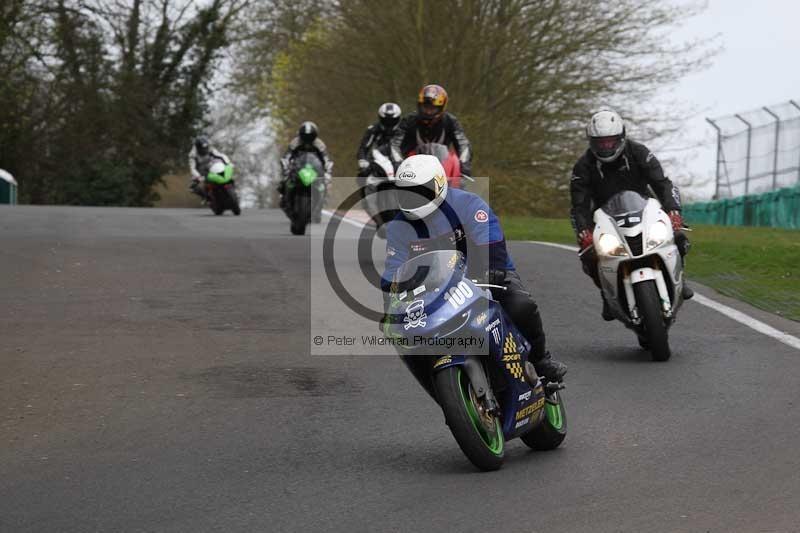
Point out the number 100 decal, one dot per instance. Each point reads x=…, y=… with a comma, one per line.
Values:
x=457, y=295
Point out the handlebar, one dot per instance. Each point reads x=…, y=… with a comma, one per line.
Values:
x=489, y=285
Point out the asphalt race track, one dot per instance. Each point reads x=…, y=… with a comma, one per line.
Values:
x=155, y=376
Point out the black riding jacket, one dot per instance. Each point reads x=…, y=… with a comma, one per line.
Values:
x=447, y=131
x=594, y=182
x=375, y=137
x=296, y=146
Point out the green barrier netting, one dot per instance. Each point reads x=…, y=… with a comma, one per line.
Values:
x=776, y=209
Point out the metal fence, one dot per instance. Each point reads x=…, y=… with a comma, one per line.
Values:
x=758, y=151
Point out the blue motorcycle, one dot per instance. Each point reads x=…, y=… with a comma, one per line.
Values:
x=463, y=349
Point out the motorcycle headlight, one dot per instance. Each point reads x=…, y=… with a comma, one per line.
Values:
x=609, y=245
x=656, y=235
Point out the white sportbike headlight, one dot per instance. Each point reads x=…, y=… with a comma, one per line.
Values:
x=609, y=245
x=656, y=235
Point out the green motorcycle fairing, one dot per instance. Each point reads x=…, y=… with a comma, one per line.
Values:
x=307, y=175
x=221, y=179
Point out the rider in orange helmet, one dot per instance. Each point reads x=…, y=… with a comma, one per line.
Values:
x=432, y=124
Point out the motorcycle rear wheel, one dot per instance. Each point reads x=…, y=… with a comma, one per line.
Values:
x=478, y=434
x=552, y=430
x=649, y=304
x=237, y=210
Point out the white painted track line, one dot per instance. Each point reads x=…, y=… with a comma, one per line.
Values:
x=748, y=321
x=346, y=220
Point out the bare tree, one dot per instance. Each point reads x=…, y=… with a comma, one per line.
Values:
x=123, y=86
x=522, y=75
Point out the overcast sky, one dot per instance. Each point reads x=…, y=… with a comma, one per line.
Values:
x=758, y=66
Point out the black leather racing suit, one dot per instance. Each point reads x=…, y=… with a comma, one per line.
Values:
x=376, y=136
x=297, y=146
x=446, y=131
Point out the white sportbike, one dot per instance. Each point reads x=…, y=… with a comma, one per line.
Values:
x=640, y=268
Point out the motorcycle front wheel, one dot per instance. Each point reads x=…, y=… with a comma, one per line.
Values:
x=479, y=434
x=649, y=304
x=301, y=215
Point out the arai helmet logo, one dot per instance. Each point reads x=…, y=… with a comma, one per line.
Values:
x=407, y=175
x=481, y=216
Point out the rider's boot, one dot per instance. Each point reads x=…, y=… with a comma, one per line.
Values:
x=687, y=291
x=197, y=189
x=549, y=368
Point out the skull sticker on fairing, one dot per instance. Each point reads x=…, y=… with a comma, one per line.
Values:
x=415, y=315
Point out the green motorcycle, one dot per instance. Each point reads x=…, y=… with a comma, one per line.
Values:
x=221, y=189
x=306, y=191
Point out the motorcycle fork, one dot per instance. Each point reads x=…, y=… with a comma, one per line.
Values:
x=480, y=383
x=661, y=285
x=633, y=311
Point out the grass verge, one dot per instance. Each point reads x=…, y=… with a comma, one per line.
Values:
x=760, y=266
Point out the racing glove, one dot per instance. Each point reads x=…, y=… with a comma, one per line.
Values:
x=677, y=220
x=492, y=277
x=585, y=239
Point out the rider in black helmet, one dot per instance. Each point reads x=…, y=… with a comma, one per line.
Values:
x=307, y=140
x=378, y=135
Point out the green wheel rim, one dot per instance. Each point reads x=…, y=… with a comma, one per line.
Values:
x=494, y=441
x=553, y=413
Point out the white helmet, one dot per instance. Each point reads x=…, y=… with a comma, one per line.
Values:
x=606, y=133
x=389, y=115
x=421, y=185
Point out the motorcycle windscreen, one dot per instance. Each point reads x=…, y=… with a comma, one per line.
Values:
x=626, y=208
x=437, y=150
x=437, y=269
x=436, y=308
x=624, y=203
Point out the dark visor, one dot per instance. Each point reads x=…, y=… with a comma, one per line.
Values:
x=606, y=145
x=417, y=196
x=430, y=110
